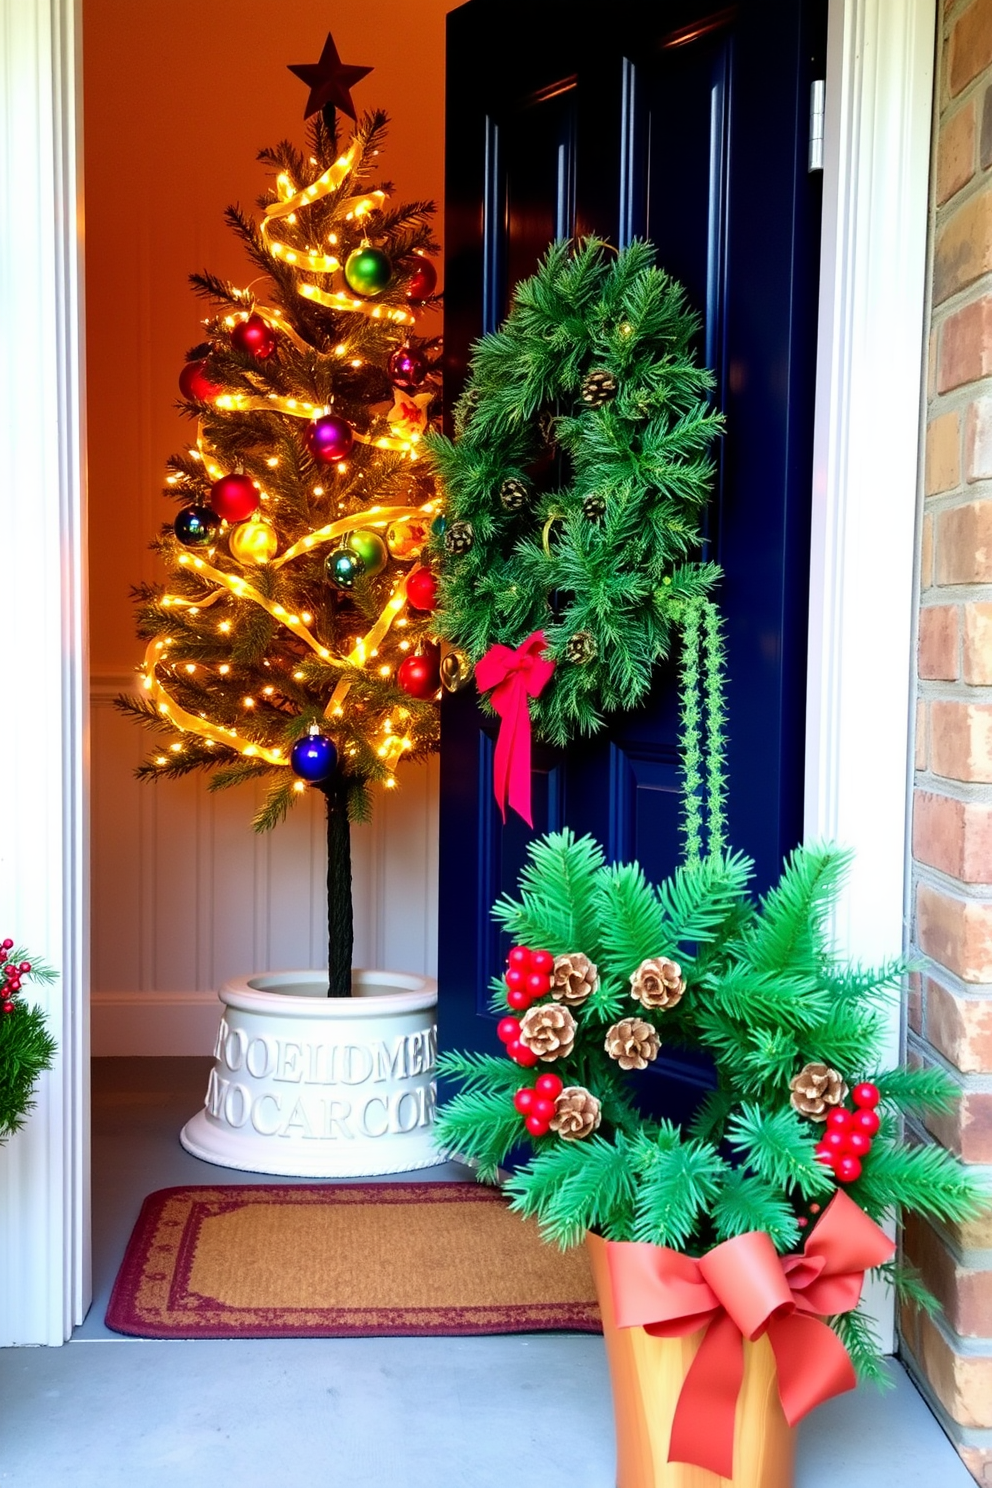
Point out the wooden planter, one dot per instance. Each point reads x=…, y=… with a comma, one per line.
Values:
x=647, y=1375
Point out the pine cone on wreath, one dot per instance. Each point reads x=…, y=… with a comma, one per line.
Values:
x=657, y=983
x=548, y=1031
x=458, y=537
x=593, y=506
x=573, y=979
x=580, y=648
x=577, y=1113
x=815, y=1090
x=598, y=387
x=514, y=494
x=633, y=1043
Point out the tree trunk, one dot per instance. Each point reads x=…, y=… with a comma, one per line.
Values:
x=340, y=917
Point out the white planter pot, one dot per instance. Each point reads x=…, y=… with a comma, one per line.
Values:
x=311, y=1086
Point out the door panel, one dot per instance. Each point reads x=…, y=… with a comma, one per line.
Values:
x=688, y=125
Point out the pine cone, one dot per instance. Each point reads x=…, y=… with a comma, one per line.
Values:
x=815, y=1090
x=573, y=979
x=593, y=506
x=513, y=494
x=633, y=1043
x=548, y=1031
x=577, y=1113
x=657, y=983
x=580, y=648
x=598, y=388
x=458, y=537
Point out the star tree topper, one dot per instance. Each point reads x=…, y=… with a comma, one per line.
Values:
x=330, y=80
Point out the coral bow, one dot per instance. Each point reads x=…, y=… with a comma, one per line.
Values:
x=514, y=676
x=742, y=1289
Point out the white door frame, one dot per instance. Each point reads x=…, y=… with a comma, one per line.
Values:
x=44, y=1170
x=872, y=298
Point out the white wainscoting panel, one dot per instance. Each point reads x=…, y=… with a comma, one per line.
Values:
x=186, y=895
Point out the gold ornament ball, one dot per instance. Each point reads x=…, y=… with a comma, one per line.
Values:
x=406, y=537
x=254, y=541
x=456, y=671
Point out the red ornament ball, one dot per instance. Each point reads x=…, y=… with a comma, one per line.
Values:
x=536, y=1125
x=519, y=1052
x=407, y=368
x=549, y=1085
x=835, y=1141
x=9, y=1007
x=544, y=1107
x=8, y=944
x=866, y=1095
x=518, y=998
x=196, y=385
x=524, y=1100
x=824, y=1154
x=519, y=957
x=867, y=1121
x=848, y=1168
x=255, y=337
x=421, y=593
x=234, y=497
x=423, y=281
x=538, y=985
x=515, y=979
x=840, y=1119
x=542, y=961
x=859, y=1143
x=419, y=676
x=507, y=1029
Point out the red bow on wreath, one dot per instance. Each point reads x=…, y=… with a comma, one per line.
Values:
x=742, y=1289
x=514, y=676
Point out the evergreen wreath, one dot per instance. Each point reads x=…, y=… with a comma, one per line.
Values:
x=576, y=480
x=27, y=1048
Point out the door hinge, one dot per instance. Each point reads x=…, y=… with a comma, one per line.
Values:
x=816, y=96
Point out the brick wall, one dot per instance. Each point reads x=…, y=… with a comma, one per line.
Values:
x=950, y=1007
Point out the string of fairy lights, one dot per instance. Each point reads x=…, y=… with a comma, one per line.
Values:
x=393, y=740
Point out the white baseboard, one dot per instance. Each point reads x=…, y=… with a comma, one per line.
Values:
x=154, y=1022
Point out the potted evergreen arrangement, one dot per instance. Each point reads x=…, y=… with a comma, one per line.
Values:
x=729, y=1252
x=291, y=645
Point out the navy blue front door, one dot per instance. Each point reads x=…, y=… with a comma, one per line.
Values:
x=689, y=125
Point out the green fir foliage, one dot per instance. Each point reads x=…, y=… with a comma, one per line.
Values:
x=27, y=1048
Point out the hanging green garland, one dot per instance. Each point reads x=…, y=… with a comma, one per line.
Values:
x=576, y=480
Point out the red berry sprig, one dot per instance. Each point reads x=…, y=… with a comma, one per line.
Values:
x=528, y=976
x=11, y=976
x=508, y=1033
x=536, y=1103
x=848, y=1137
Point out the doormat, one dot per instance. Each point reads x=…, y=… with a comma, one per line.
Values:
x=350, y=1260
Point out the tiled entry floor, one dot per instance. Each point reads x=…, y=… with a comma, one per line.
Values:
x=513, y=1412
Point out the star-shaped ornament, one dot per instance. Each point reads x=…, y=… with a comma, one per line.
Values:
x=329, y=80
x=408, y=414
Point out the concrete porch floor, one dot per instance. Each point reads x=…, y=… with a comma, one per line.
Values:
x=527, y=1411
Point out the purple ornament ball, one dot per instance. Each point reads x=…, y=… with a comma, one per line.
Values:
x=330, y=439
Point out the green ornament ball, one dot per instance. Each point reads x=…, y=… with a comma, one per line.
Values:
x=370, y=548
x=439, y=525
x=367, y=270
x=343, y=567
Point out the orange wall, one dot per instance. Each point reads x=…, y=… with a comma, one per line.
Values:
x=179, y=95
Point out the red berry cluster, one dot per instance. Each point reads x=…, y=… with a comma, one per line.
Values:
x=849, y=1134
x=536, y=1103
x=508, y=1033
x=12, y=976
x=528, y=976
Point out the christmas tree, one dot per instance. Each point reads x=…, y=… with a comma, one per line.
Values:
x=290, y=642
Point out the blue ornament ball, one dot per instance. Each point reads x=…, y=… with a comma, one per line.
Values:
x=343, y=567
x=313, y=758
x=196, y=526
